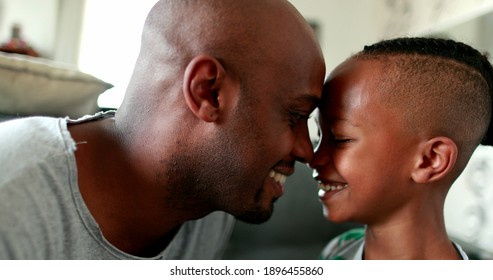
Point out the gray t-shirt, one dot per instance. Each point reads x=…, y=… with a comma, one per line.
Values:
x=42, y=213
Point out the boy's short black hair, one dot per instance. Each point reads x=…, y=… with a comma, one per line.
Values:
x=444, y=49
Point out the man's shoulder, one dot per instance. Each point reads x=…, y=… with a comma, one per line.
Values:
x=31, y=132
x=205, y=238
x=33, y=139
x=28, y=122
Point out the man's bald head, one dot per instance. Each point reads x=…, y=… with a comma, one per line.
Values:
x=185, y=28
x=242, y=34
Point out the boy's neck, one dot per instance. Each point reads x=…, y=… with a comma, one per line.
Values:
x=408, y=241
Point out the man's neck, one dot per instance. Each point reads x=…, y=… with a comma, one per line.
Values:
x=130, y=213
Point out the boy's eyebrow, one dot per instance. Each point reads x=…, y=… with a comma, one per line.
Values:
x=341, y=119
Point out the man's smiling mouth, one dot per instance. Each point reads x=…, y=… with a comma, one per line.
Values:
x=278, y=177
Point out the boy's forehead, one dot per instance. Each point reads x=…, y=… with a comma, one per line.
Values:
x=351, y=74
x=358, y=68
x=353, y=88
x=352, y=80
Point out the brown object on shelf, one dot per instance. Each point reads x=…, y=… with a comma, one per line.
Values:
x=17, y=45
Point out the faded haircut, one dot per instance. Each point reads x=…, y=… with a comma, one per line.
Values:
x=441, y=86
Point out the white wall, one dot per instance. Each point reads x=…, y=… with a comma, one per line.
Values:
x=69, y=31
x=345, y=26
x=38, y=19
x=109, y=48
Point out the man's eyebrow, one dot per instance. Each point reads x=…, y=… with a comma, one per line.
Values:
x=309, y=98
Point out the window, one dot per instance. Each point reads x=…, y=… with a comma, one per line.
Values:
x=110, y=43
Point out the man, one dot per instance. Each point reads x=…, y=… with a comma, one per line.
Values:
x=212, y=121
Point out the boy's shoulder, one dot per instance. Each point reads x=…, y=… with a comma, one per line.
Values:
x=346, y=246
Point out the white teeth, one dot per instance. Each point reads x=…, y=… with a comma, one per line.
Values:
x=278, y=177
x=332, y=187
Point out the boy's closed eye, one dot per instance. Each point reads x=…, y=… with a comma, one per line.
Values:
x=340, y=140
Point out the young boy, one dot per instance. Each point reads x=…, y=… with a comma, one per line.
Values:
x=399, y=122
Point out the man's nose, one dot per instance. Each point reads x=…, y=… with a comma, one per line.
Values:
x=320, y=157
x=303, y=148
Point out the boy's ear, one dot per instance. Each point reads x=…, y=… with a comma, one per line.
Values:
x=203, y=79
x=436, y=159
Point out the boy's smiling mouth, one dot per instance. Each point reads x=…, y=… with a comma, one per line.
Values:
x=332, y=186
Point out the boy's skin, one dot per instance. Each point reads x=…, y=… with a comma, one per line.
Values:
x=387, y=175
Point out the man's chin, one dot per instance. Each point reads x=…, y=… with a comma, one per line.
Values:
x=255, y=217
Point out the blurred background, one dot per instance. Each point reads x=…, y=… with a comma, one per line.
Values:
x=102, y=38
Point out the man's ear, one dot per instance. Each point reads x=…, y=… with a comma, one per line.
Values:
x=435, y=160
x=202, y=82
